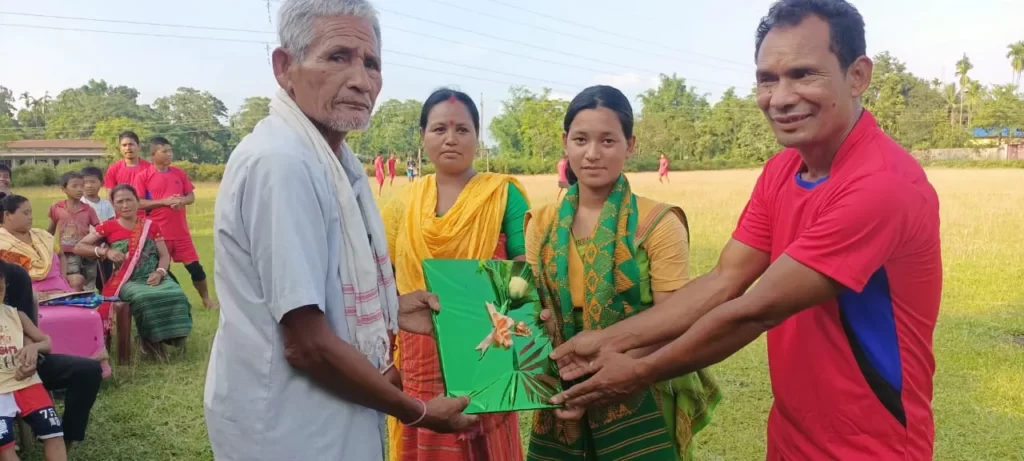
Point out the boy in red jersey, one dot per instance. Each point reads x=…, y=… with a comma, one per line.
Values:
x=131, y=169
x=842, y=229
x=168, y=191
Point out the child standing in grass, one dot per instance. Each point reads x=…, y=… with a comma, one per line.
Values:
x=70, y=221
x=170, y=191
x=92, y=178
x=22, y=394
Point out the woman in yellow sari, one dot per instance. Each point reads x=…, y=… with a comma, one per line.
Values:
x=456, y=213
x=600, y=255
x=33, y=249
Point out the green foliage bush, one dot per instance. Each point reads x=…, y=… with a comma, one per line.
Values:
x=46, y=175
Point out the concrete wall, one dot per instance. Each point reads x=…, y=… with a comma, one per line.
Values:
x=985, y=153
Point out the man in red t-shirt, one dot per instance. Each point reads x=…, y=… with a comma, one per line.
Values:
x=169, y=191
x=391, y=168
x=129, y=170
x=842, y=229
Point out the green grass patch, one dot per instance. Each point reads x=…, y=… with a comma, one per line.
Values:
x=153, y=412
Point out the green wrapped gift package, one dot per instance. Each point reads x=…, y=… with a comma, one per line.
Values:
x=490, y=339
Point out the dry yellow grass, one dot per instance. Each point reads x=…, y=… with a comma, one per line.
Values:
x=979, y=386
x=154, y=412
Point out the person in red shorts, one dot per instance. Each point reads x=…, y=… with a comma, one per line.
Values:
x=842, y=229
x=391, y=168
x=22, y=394
x=169, y=191
x=130, y=170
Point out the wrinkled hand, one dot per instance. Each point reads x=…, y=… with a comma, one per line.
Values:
x=114, y=256
x=26, y=359
x=154, y=278
x=617, y=377
x=394, y=377
x=575, y=355
x=444, y=415
x=414, y=311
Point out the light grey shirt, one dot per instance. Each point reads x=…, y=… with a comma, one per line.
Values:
x=277, y=237
x=104, y=209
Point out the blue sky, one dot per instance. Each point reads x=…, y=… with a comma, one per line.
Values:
x=486, y=45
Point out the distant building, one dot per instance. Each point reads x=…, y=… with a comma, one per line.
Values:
x=51, y=152
x=996, y=136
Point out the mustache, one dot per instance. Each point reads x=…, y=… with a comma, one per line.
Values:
x=354, y=101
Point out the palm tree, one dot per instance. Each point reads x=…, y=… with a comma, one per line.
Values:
x=949, y=94
x=963, y=67
x=1016, y=57
x=975, y=92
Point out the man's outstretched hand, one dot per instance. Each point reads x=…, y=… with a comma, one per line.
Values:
x=414, y=311
x=444, y=415
x=617, y=377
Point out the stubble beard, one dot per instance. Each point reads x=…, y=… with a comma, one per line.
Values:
x=345, y=124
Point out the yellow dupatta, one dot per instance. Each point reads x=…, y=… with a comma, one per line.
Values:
x=470, y=230
x=36, y=258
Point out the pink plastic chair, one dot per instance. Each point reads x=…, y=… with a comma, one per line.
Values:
x=75, y=331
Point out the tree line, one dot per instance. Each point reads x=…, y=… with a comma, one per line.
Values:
x=675, y=119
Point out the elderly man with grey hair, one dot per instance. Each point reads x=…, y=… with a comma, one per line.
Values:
x=301, y=364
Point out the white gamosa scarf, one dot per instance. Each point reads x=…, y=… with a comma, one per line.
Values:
x=368, y=282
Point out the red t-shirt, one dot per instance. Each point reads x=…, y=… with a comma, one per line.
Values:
x=852, y=377
x=391, y=166
x=112, y=231
x=72, y=226
x=119, y=173
x=158, y=185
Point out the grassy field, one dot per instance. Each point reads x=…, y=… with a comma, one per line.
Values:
x=153, y=412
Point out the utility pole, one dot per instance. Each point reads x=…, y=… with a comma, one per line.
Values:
x=480, y=134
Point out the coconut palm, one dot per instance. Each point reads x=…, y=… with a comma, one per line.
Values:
x=975, y=92
x=963, y=67
x=1016, y=57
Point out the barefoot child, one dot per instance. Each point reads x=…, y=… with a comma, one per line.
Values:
x=170, y=191
x=22, y=394
x=70, y=221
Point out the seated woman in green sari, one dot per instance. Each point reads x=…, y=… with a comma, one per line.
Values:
x=161, y=310
x=600, y=255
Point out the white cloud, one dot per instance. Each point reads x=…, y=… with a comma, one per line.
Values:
x=560, y=95
x=469, y=51
x=626, y=81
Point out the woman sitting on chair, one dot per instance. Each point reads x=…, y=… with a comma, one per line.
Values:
x=33, y=249
x=161, y=310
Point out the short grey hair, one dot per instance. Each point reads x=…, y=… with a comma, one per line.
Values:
x=295, y=20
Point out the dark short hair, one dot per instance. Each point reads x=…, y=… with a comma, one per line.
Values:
x=92, y=171
x=5, y=168
x=444, y=94
x=156, y=142
x=601, y=96
x=10, y=204
x=123, y=187
x=592, y=98
x=67, y=177
x=845, y=25
x=130, y=135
